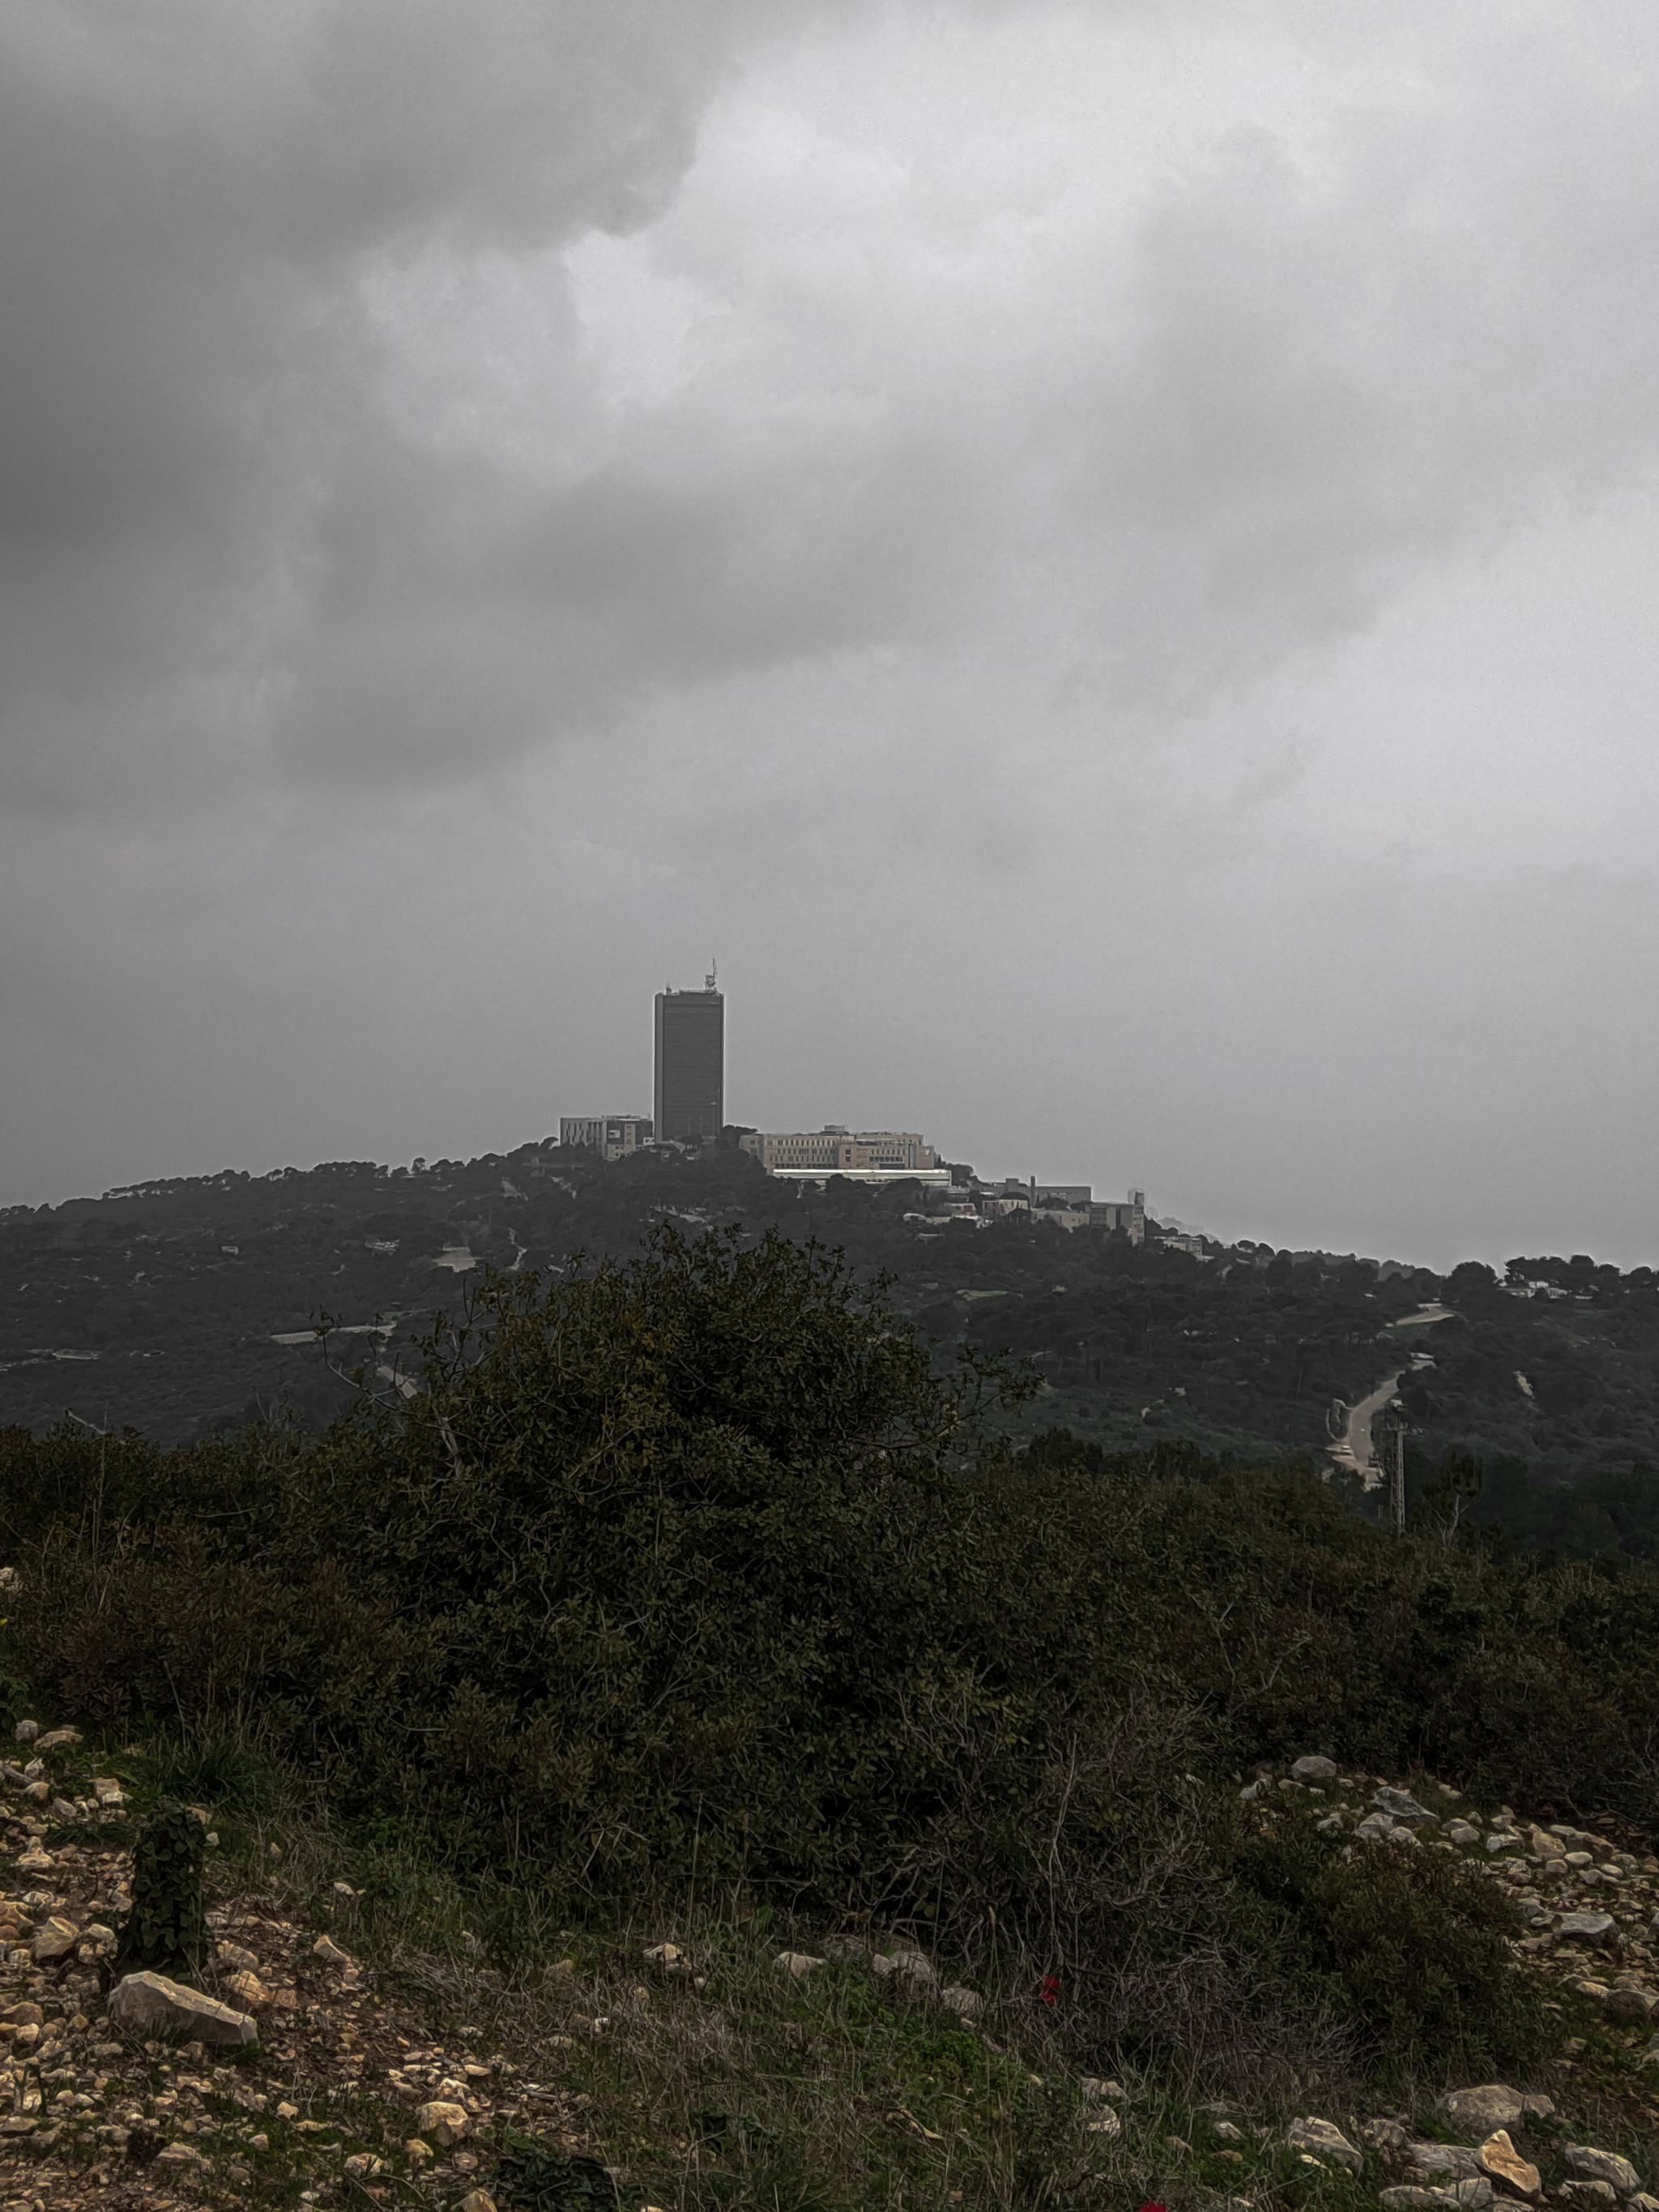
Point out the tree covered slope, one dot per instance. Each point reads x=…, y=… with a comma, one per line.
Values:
x=164, y=1307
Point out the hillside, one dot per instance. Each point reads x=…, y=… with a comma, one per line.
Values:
x=683, y=1736
x=180, y=1308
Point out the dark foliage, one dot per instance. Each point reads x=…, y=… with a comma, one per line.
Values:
x=537, y=2179
x=185, y=1308
x=1414, y=1945
x=165, y=1931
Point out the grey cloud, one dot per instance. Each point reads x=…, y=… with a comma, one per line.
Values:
x=183, y=192
x=1331, y=386
x=227, y=556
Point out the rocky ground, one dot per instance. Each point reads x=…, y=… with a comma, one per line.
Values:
x=300, y=2074
x=294, y=2079
x=1590, y=1906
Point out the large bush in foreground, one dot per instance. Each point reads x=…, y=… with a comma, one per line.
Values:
x=649, y=1568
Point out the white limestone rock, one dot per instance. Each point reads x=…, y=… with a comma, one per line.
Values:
x=149, y=2004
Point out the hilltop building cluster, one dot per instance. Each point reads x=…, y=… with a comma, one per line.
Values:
x=865, y=1155
x=689, y=1112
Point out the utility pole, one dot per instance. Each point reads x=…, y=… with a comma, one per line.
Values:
x=1388, y=1448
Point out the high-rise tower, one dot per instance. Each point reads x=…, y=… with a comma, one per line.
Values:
x=689, y=1096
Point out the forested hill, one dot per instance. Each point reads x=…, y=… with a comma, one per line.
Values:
x=161, y=1307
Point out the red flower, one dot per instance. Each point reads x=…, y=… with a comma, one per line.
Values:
x=1152, y=2208
x=1051, y=1996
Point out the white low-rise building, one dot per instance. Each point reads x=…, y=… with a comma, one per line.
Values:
x=874, y=1156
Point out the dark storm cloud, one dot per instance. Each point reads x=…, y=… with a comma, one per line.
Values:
x=183, y=192
x=311, y=470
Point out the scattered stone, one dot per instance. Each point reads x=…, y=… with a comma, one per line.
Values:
x=1588, y=2192
x=249, y=1991
x=475, y=2200
x=1385, y=2135
x=1462, y=1832
x=797, y=1963
x=1493, y=2104
x=1629, y=2006
x=1408, y=2196
x=1585, y=2163
x=329, y=1953
x=1543, y=1845
x=958, y=1998
x=1375, y=1827
x=1314, y=1768
x=1106, y=2124
x=1456, y=2159
x=35, y=1860
x=1499, y=2160
x=147, y=2004
x=445, y=2123
x=908, y=1965
x=1399, y=1804
x=365, y=2165
x=417, y=2152
x=1597, y=1928
x=659, y=1954
x=25, y=1731
x=53, y=1938
x=109, y=1791
x=56, y=1738
x=1326, y=2140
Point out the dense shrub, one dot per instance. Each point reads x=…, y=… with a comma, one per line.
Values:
x=1413, y=1946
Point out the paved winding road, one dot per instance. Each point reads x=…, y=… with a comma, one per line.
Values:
x=1355, y=1448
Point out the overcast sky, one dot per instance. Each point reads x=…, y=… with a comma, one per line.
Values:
x=1103, y=559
